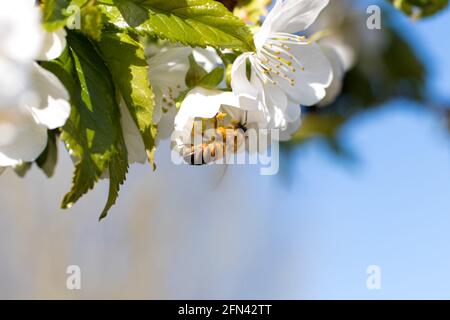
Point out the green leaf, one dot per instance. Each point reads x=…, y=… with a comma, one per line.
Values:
x=126, y=60
x=134, y=14
x=112, y=17
x=88, y=13
x=48, y=159
x=212, y=79
x=228, y=60
x=91, y=20
x=195, y=73
x=22, y=169
x=118, y=169
x=191, y=22
x=92, y=132
x=420, y=8
x=197, y=76
x=252, y=10
x=55, y=16
x=179, y=100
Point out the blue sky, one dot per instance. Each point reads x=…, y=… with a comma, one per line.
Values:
x=171, y=235
x=391, y=207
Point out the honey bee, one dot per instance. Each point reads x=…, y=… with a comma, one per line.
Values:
x=222, y=137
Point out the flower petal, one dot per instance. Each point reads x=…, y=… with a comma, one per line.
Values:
x=290, y=16
x=166, y=124
x=14, y=82
x=207, y=58
x=239, y=82
x=293, y=112
x=202, y=103
x=170, y=60
x=313, y=78
x=132, y=136
x=335, y=88
x=53, y=45
x=159, y=104
x=52, y=107
x=23, y=140
x=291, y=129
x=167, y=73
x=21, y=30
x=274, y=106
x=276, y=96
x=347, y=54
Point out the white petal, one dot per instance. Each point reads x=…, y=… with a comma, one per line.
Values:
x=171, y=60
x=275, y=102
x=167, y=73
x=255, y=119
x=53, y=45
x=132, y=136
x=158, y=109
x=310, y=82
x=239, y=82
x=26, y=139
x=293, y=112
x=52, y=107
x=166, y=124
x=291, y=16
x=276, y=96
x=207, y=58
x=291, y=129
x=21, y=32
x=347, y=54
x=335, y=88
x=14, y=82
x=202, y=103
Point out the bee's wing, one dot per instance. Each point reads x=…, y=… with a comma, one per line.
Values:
x=220, y=178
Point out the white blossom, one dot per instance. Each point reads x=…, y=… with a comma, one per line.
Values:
x=32, y=99
x=168, y=67
x=221, y=117
x=287, y=70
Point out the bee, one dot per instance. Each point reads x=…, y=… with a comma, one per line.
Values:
x=222, y=137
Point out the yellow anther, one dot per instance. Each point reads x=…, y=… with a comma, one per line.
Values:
x=221, y=115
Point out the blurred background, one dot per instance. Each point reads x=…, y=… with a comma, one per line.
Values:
x=366, y=181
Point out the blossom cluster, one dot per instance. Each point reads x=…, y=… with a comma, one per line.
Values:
x=267, y=86
x=261, y=85
x=32, y=99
